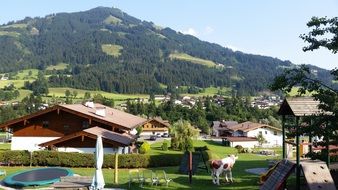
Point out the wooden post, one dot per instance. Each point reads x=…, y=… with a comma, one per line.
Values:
x=116, y=168
x=327, y=142
x=190, y=167
x=310, y=139
x=283, y=135
x=297, y=155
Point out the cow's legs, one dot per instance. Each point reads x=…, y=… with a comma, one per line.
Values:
x=230, y=175
x=226, y=176
x=213, y=177
x=217, y=178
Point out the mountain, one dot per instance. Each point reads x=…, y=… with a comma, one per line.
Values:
x=106, y=49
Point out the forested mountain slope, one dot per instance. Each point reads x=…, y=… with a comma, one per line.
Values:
x=106, y=49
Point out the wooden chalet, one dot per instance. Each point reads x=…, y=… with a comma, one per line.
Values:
x=74, y=128
x=155, y=126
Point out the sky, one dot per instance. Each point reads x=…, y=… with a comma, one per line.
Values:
x=263, y=27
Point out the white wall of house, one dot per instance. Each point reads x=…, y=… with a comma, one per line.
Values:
x=29, y=143
x=149, y=133
x=273, y=137
x=119, y=150
x=245, y=144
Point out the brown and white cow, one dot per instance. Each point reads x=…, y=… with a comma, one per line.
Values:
x=219, y=166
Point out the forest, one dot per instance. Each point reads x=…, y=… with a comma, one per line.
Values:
x=108, y=50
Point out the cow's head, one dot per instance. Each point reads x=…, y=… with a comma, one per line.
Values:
x=234, y=157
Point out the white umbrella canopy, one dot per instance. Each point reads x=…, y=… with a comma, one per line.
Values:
x=98, y=180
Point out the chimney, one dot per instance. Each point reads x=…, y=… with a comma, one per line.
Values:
x=89, y=104
x=101, y=111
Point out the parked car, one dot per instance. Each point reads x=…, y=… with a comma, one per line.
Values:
x=158, y=135
x=153, y=138
x=165, y=135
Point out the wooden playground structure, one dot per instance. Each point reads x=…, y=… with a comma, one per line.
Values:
x=316, y=173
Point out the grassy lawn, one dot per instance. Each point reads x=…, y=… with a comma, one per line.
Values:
x=112, y=49
x=201, y=180
x=16, y=83
x=12, y=34
x=210, y=91
x=112, y=20
x=60, y=92
x=60, y=66
x=5, y=146
x=15, y=26
x=24, y=74
x=294, y=92
x=189, y=58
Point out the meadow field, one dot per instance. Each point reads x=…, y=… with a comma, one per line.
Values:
x=201, y=180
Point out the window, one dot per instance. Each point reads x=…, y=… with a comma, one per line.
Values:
x=45, y=124
x=66, y=128
x=85, y=124
x=266, y=132
x=275, y=132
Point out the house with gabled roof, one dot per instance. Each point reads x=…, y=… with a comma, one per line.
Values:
x=222, y=128
x=74, y=128
x=154, y=126
x=245, y=134
x=272, y=135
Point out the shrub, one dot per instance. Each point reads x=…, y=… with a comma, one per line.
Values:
x=165, y=145
x=211, y=155
x=68, y=159
x=239, y=148
x=145, y=147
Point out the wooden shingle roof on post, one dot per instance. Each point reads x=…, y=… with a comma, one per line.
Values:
x=300, y=106
x=107, y=136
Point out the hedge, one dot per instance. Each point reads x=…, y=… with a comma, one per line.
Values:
x=67, y=159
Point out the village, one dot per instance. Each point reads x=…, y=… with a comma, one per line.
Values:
x=121, y=94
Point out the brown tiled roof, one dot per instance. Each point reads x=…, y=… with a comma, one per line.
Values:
x=240, y=139
x=224, y=125
x=160, y=120
x=112, y=115
x=107, y=136
x=299, y=106
x=249, y=126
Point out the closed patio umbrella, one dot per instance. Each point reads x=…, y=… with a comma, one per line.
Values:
x=98, y=180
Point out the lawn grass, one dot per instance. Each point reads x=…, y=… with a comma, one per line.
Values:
x=24, y=74
x=12, y=34
x=112, y=49
x=201, y=180
x=294, y=92
x=16, y=83
x=60, y=66
x=189, y=58
x=5, y=146
x=112, y=20
x=60, y=92
x=210, y=91
x=15, y=26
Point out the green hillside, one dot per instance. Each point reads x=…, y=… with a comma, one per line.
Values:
x=108, y=50
x=186, y=57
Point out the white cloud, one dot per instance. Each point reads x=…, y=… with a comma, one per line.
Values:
x=190, y=31
x=208, y=30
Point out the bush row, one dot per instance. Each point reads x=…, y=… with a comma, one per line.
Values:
x=67, y=159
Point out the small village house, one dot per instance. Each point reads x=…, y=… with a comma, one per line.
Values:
x=245, y=134
x=155, y=126
x=74, y=128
